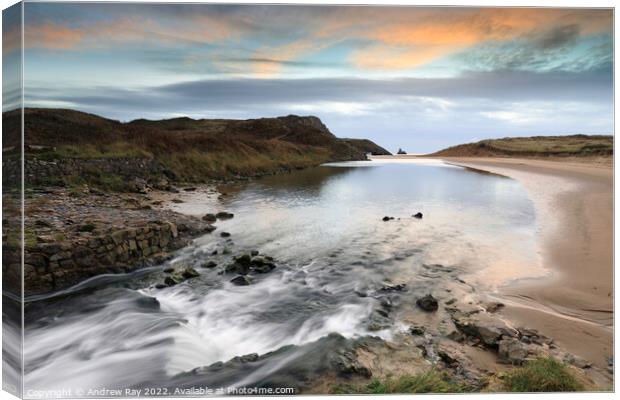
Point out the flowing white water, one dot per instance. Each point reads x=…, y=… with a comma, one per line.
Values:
x=333, y=252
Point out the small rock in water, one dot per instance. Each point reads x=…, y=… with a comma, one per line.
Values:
x=418, y=215
x=214, y=252
x=189, y=272
x=209, y=218
x=240, y=280
x=169, y=270
x=225, y=234
x=224, y=215
x=169, y=281
x=190, y=189
x=160, y=286
x=177, y=201
x=427, y=303
x=386, y=218
x=393, y=288
x=416, y=330
x=243, y=259
x=254, y=253
x=209, y=264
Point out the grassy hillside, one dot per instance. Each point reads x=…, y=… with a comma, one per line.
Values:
x=194, y=150
x=536, y=146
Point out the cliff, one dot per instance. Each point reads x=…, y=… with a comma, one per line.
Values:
x=183, y=148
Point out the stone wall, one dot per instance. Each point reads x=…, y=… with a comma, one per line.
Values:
x=37, y=171
x=54, y=266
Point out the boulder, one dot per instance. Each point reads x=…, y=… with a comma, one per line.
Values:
x=243, y=259
x=240, y=280
x=189, y=272
x=418, y=215
x=489, y=330
x=236, y=268
x=225, y=234
x=209, y=264
x=417, y=330
x=427, y=303
x=224, y=215
x=393, y=288
x=209, y=217
x=170, y=281
x=512, y=351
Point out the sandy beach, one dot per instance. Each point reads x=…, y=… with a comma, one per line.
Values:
x=574, y=208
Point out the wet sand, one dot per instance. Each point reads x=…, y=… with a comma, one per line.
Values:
x=574, y=207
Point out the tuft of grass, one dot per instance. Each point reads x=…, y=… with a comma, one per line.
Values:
x=87, y=228
x=542, y=375
x=428, y=382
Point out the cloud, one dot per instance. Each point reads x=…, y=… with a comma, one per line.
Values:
x=218, y=96
x=388, y=38
x=559, y=36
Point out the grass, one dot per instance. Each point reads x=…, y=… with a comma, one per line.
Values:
x=542, y=375
x=117, y=149
x=428, y=382
x=541, y=146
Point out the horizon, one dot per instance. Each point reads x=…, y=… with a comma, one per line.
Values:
x=416, y=78
x=314, y=116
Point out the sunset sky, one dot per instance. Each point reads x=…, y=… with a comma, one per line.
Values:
x=417, y=78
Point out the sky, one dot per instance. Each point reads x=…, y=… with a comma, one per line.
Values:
x=419, y=78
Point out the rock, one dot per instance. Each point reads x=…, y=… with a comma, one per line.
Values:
x=254, y=253
x=189, y=272
x=225, y=234
x=386, y=218
x=169, y=270
x=236, y=268
x=488, y=329
x=493, y=306
x=170, y=281
x=209, y=218
x=42, y=224
x=214, y=253
x=224, y=215
x=418, y=215
x=161, y=286
x=512, y=351
x=246, y=358
x=577, y=361
x=177, y=201
x=140, y=185
x=417, y=330
x=240, y=280
x=427, y=303
x=263, y=268
x=243, y=259
x=209, y=264
x=393, y=288
x=189, y=189
x=162, y=184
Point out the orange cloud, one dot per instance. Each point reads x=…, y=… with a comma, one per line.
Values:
x=391, y=37
x=200, y=29
x=408, y=43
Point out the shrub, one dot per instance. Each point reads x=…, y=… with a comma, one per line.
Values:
x=542, y=375
x=428, y=382
x=87, y=228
